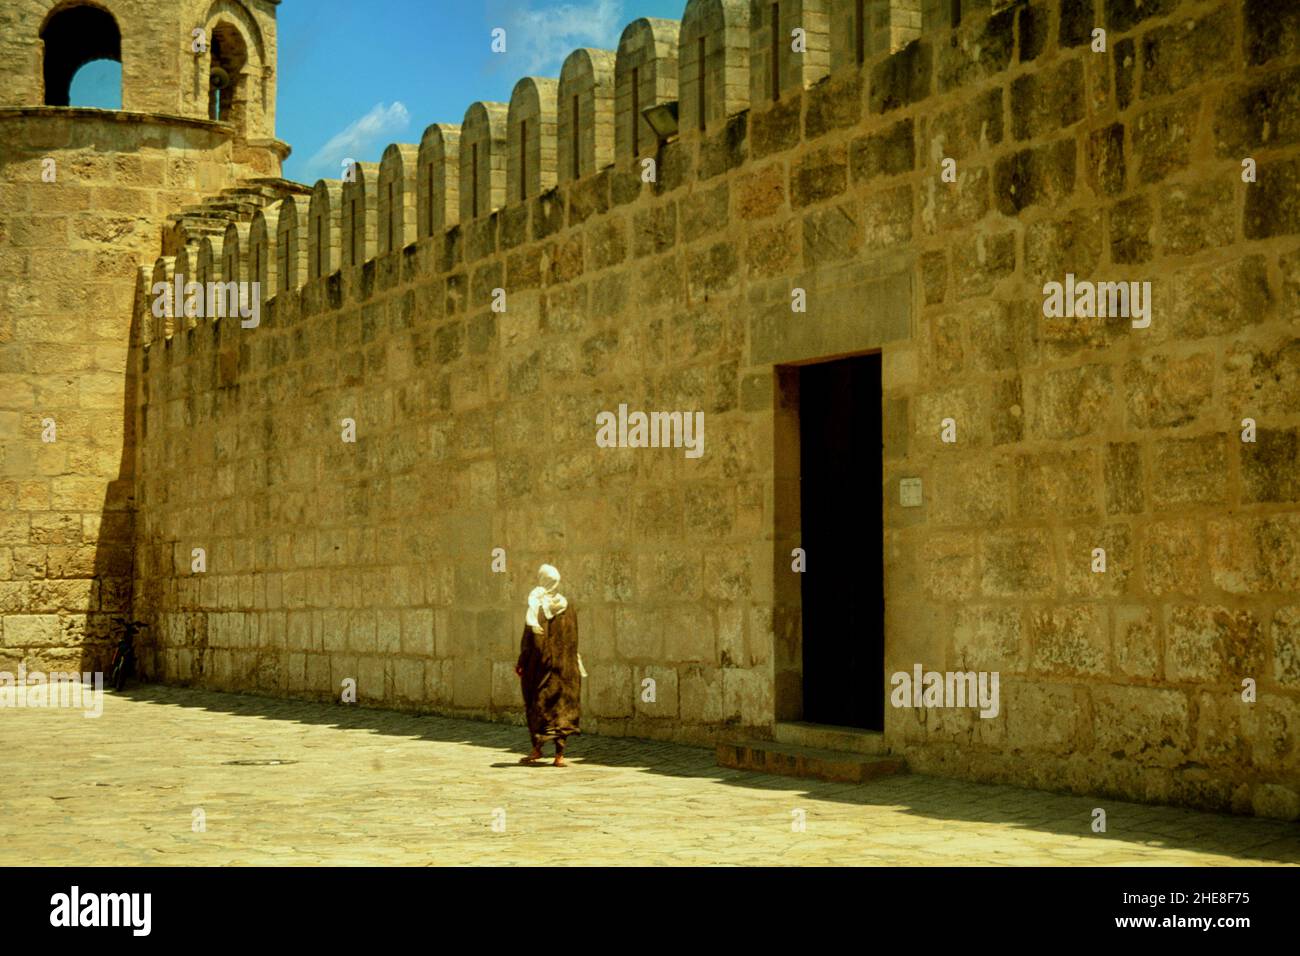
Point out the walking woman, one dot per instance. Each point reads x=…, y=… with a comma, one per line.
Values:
x=549, y=668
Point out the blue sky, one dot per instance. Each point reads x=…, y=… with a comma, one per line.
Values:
x=356, y=76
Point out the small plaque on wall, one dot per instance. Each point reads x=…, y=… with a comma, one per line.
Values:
x=909, y=492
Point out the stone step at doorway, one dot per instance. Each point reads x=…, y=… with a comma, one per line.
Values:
x=828, y=737
x=793, y=760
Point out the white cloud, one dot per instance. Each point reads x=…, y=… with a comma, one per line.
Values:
x=539, y=38
x=361, y=140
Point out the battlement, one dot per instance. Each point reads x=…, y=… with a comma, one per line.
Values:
x=583, y=141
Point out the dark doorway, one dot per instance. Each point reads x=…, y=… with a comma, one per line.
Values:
x=841, y=534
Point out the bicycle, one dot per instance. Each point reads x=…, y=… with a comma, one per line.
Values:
x=123, y=665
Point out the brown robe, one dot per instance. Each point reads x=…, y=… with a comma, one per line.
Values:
x=551, y=683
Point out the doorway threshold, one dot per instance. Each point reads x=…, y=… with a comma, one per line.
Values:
x=829, y=737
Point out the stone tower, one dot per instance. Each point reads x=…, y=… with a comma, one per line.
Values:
x=85, y=195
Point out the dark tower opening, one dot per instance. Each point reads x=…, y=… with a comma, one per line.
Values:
x=73, y=37
x=225, y=82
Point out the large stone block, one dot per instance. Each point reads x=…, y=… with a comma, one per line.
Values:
x=1173, y=557
x=973, y=127
x=32, y=630
x=1069, y=403
x=1221, y=741
x=1070, y=243
x=705, y=212
x=1255, y=555
x=839, y=328
x=1076, y=24
x=901, y=79
x=947, y=207
x=1276, y=801
x=886, y=153
x=1221, y=298
x=833, y=233
x=1261, y=113
x=471, y=682
x=1272, y=30
x=1135, y=641
x=775, y=128
x=1131, y=225
x=1262, y=379
x=983, y=261
x=1046, y=101
x=1079, y=575
x=973, y=56
x=655, y=693
x=1164, y=392
x=1070, y=639
x=1041, y=175
x=1162, y=139
x=1189, y=471
x=1197, y=216
x=947, y=565
x=1041, y=716
x=759, y=193
x=747, y=696
x=1213, y=644
x=610, y=690
x=1270, y=466
x=1057, y=484
x=1273, y=203
x=1017, y=563
x=1186, y=52
x=888, y=219
x=1123, y=15
x=989, y=637
x=819, y=175
x=700, y=694
x=834, y=103
x=1285, y=643
x=773, y=250
x=970, y=492
x=1145, y=725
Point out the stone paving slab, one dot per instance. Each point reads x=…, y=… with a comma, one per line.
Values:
x=379, y=787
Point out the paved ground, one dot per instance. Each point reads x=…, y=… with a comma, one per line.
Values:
x=374, y=787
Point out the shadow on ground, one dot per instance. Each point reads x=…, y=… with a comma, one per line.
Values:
x=1246, y=838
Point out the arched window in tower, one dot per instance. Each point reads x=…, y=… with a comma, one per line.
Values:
x=82, y=35
x=228, y=55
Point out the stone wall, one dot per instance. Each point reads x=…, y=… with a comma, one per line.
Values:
x=328, y=560
x=70, y=246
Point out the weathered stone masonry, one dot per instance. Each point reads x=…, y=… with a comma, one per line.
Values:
x=328, y=560
x=69, y=249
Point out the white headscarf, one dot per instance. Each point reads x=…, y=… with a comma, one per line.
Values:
x=546, y=597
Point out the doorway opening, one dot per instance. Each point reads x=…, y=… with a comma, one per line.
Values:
x=841, y=532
